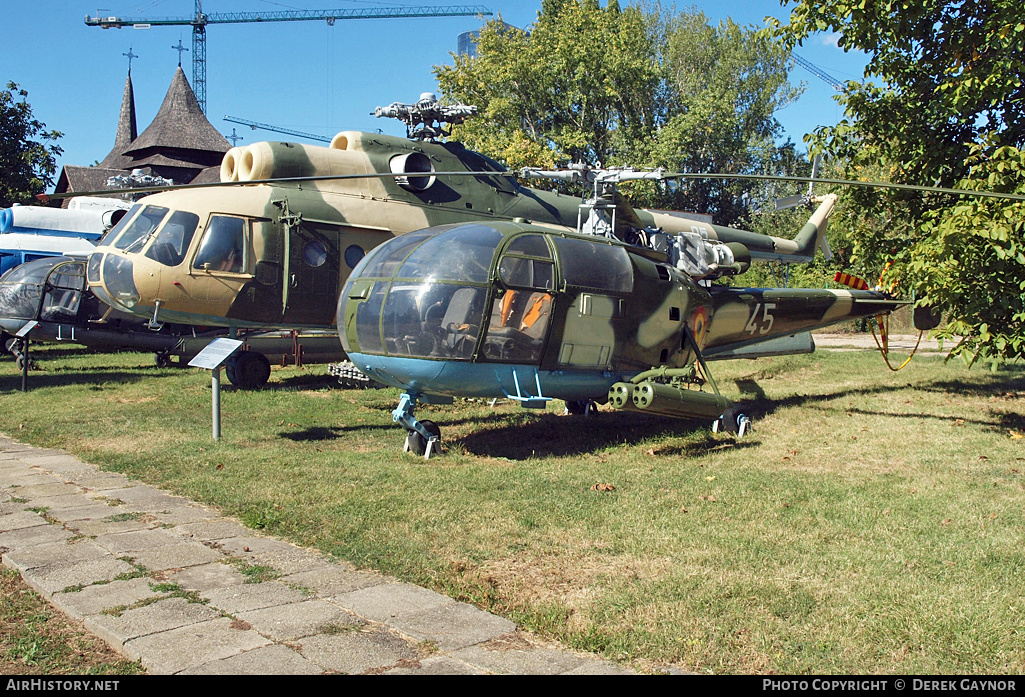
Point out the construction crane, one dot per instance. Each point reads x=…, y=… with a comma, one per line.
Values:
x=254, y=125
x=200, y=20
x=818, y=72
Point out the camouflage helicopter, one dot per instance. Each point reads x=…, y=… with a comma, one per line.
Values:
x=531, y=312
x=53, y=295
x=272, y=244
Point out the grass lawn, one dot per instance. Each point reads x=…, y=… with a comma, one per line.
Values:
x=872, y=522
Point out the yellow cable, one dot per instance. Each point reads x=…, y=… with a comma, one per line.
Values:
x=885, y=351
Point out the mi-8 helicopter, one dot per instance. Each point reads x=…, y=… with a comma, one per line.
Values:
x=272, y=244
x=52, y=294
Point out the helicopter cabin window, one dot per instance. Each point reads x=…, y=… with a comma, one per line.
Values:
x=518, y=326
x=353, y=255
x=315, y=253
x=529, y=246
x=594, y=265
x=94, y=267
x=121, y=224
x=141, y=228
x=223, y=245
x=526, y=273
x=21, y=287
x=173, y=240
x=368, y=320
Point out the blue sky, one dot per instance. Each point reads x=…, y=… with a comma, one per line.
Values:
x=306, y=76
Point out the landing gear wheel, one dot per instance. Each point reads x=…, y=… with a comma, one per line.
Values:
x=582, y=407
x=418, y=444
x=162, y=359
x=732, y=421
x=249, y=371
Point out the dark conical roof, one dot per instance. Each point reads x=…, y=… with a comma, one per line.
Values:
x=180, y=123
x=126, y=130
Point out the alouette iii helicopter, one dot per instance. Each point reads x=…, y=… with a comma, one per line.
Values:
x=271, y=245
x=528, y=312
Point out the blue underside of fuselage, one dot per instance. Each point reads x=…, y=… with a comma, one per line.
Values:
x=466, y=379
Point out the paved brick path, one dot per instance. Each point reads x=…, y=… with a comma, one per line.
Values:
x=170, y=583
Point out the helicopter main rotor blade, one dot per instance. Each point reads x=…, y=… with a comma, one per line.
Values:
x=653, y=175
x=278, y=180
x=847, y=182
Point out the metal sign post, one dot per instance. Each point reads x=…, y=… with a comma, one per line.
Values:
x=215, y=355
x=23, y=335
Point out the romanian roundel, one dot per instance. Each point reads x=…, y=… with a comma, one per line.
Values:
x=698, y=325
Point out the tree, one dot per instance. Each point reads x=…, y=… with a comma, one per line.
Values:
x=28, y=158
x=627, y=86
x=950, y=110
x=724, y=85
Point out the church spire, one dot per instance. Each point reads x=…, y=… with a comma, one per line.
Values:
x=127, y=131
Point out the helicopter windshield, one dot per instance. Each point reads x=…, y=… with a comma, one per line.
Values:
x=121, y=224
x=22, y=286
x=173, y=240
x=140, y=229
x=432, y=294
x=424, y=292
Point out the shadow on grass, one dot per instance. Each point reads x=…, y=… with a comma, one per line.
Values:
x=517, y=435
x=78, y=376
x=555, y=435
x=324, y=433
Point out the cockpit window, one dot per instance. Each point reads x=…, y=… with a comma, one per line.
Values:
x=223, y=245
x=140, y=229
x=461, y=254
x=432, y=320
x=529, y=246
x=527, y=263
x=113, y=232
x=22, y=287
x=173, y=240
x=594, y=265
x=430, y=293
x=383, y=261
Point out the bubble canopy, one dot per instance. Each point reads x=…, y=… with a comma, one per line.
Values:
x=471, y=291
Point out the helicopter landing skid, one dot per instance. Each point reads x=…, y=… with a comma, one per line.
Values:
x=422, y=437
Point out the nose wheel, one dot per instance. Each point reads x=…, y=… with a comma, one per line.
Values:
x=422, y=437
x=732, y=421
x=424, y=446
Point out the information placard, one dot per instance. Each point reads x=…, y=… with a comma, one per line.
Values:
x=215, y=354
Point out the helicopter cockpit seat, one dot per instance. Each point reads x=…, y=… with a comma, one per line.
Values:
x=519, y=323
x=459, y=333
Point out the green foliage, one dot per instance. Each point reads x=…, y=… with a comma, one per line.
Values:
x=628, y=86
x=971, y=261
x=951, y=72
x=950, y=112
x=28, y=160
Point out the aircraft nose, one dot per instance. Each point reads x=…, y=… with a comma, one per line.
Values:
x=117, y=282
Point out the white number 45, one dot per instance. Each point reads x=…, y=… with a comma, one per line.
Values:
x=761, y=318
